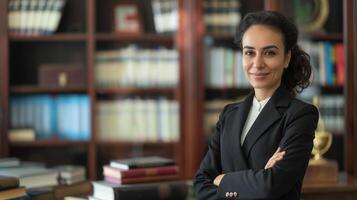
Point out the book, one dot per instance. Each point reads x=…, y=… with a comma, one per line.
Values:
x=70, y=171
x=7, y=182
x=172, y=190
x=139, y=172
x=83, y=188
x=31, y=177
x=141, y=162
x=9, y=162
x=42, y=193
x=144, y=179
x=74, y=198
x=21, y=134
x=13, y=193
x=61, y=191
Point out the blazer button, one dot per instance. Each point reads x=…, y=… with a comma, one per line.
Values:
x=235, y=194
x=231, y=194
x=227, y=194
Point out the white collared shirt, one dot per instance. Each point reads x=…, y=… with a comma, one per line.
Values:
x=255, y=109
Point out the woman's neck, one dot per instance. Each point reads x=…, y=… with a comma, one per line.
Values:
x=263, y=93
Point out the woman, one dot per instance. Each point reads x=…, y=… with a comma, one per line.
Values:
x=262, y=145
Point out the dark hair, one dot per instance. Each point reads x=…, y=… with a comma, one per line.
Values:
x=297, y=76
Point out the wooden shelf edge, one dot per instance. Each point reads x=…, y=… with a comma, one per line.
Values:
x=49, y=143
x=221, y=36
x=133, y=90
x=135, y=37
x=134, y=144
x=59, y=37
x=322, y=36
x=30, y=89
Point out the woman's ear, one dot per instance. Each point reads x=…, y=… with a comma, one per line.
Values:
x=287, y=59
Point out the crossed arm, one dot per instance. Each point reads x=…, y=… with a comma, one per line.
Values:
x=278, y=155
x=280, y=174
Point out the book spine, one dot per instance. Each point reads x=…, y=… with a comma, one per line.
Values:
x=145, y=172
x=176, y=190
x=146, y=179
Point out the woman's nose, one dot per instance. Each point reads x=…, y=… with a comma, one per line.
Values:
x=258, y=61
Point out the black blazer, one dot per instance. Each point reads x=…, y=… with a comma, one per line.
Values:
x=284, y=122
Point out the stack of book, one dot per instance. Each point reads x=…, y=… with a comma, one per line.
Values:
x=70, y=174
x=140, y=170
x=171, y=190
x=81, y=189
x=140, y=178
x=32, y=177
x=10, y=188
x=29, y=174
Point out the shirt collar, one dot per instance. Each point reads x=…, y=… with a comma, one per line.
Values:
x=259, y=105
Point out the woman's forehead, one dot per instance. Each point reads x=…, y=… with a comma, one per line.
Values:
x=261, y=36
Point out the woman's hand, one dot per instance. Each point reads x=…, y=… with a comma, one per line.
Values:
x=277, y=156
x=218, y=179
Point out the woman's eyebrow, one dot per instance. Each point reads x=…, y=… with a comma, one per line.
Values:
x=264, y=48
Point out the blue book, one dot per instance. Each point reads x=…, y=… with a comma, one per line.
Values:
x=328, y=62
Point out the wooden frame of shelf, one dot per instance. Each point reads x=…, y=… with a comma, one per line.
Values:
x=4, y=80
x=147, y=37
x=59, y=37
x=136, y=91
x=49, y=143
x=29, y=89
x=145, y=144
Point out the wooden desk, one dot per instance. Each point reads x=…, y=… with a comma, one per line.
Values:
x=345, y=189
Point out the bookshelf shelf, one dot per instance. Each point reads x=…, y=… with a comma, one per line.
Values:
x=138, y=144
x=228, y=90
x=331, y=89
x=49, y=143
x=136, y=91
x=31, y=89
x=59, y=37
x=220, y=36
x=148, y=37
x=323, y=36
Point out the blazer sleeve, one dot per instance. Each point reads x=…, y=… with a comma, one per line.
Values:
x=210, y=166
x=274, y=182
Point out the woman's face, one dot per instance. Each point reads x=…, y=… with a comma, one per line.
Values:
x=264, y=58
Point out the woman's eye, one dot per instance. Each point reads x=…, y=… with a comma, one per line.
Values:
x=248, y=53
x=270, y=53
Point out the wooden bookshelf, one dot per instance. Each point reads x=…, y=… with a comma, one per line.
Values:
x=148, y=37
x=60, y=37
x=49, y=143
x=34, y=89
x=143, y=144
x=322, y=36
x=136, y=91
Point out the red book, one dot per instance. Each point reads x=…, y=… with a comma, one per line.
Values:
x=340, y=64
x=146, y=179
x=139, y=172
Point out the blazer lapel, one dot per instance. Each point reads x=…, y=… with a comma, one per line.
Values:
x=266, y=118
x=239, y=120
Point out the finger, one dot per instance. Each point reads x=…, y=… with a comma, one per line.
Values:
x=271, y=162
x=278, y=150
x=278, y=155
x=268, y=164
